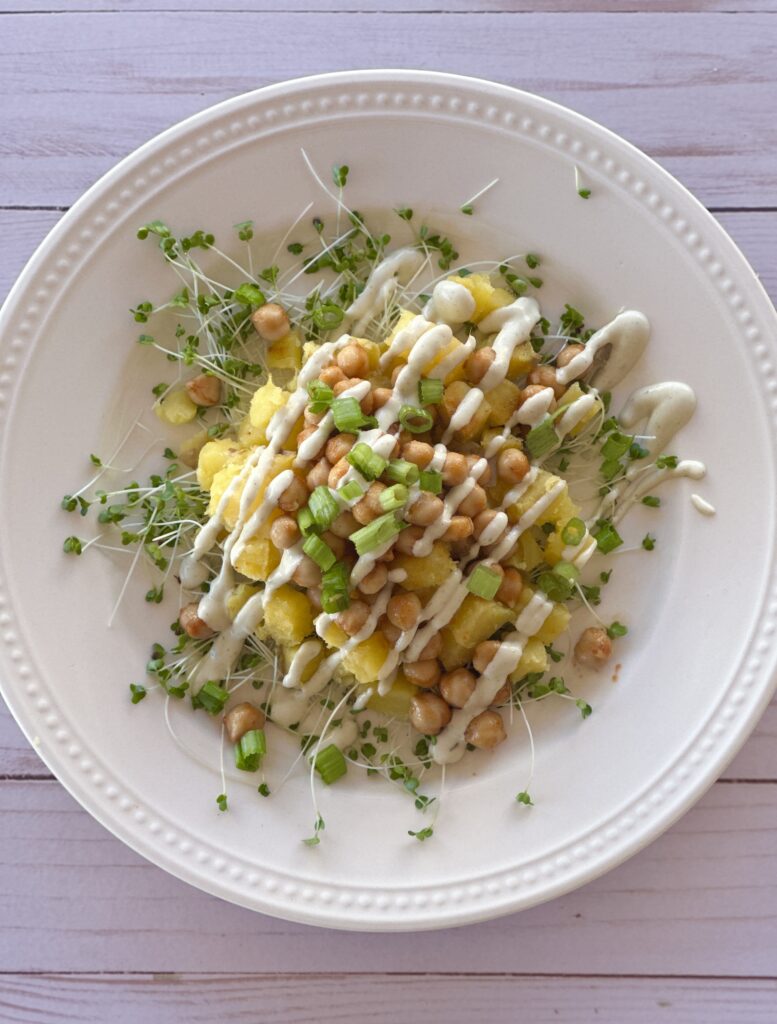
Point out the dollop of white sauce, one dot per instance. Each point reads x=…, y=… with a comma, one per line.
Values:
x=451, y=303
x=398, y=267
x=626, y=336
x=702, y=505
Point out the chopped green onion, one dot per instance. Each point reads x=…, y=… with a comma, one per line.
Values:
x=249, y=750
x=401, y=471
x=327, y=316
x=393, y=497
x=334, y=592
x=616, y=446
x=347, y=414
x=321, y=396
x=542, y=438
x=305, y=521
x=331, y=764
x=484, y=582
x=573, y=532
x=430, y=391
x=324, y=507
x=567, y=571
x=431, y=481
x=415, y=420
x=212, y=697
x=334, y=601
x=376, y=533
x=351, y=491
x=607, y=538
x=319, y=551
x=369, y=463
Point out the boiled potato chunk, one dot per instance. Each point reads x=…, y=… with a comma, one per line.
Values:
x=454, y=654
x=395, y=703
x=405, y=317
x=176, y=408
x=267, y=400
x=571, y=395
x=310, y=669
x=527, y=553
x=504, y=399
x=238, y=597
x=477, y=619
x=555, y=624
x=258, y=559
x=224, y=477
x=288, y=616
x=367, y=658
x=487, y=297
x=214, y=456
x=426, y=570
x=334, y=636
x=522, y=360
x=534, y=659
x=452, y=398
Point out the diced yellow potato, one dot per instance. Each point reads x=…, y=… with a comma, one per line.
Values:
x=487, y=297
x=224, y=477
x=504, y=399
x=309, y=669
x=405, y=316
x=238, y=597
x=453, y=396
x=477, y=619
x=267, y=400
x=396, y=703
x=334, y=636
x=560, y=511
x=527, y=554
x=371, y=348
x=522, y=360
x=366, y=659
x=214, y=456
x=554, y=548
x=288, y=616
x=248, y=435
x=458, y=372
x=176, y=408
x=258, y=559
x=554, y=625
x=426, y=571
x=571, y=395
x=284, y=354
x=454, y=654
x=534, y=659
x=562, y=507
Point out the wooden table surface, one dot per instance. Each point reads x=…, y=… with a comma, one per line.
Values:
x=685, y=931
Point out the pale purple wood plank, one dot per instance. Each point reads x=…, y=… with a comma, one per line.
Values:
x=702, y=900
x=313, y=999
x=82, y=90
x=401, y=6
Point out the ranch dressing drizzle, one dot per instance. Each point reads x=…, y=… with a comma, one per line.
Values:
x=405, y=391
x=626, y=335
x=455, y=358
x=528, y=414
x=450, y=744
x=400, y=265
x=529, y=518
x=274, y=490
x=307, y=652
x=701, y=505
x=451, y=303
x=312, y=445
x=451, y=502
x=575, y=412
x=404, y=339
x=464, y=413
x=514, y=324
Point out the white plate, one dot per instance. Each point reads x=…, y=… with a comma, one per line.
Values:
x=698, y=663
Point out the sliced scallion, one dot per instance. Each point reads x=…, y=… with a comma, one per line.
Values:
x=319, y=551
x=542, y=439
x=305, y=521
x=484, y=582
x=331, y=764
x=400, y=471
x=393, y=497
x=321, y=396
x=376, y=533
x=347, y=414
x=573, y=532
x=249, y=750
x=430, y=391
x=351, y=491
x=211, y=697
x=368, y=462
x=415, y=420
x=616, y=446
x=324, y=507
x=607, y=537
x=430, y=480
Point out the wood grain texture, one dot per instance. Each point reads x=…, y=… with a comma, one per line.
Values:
x=701, y=900
x=398, y=6
x=80, y=90
x=316, y=999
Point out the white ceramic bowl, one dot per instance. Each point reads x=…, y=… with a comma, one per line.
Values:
x=698, y=663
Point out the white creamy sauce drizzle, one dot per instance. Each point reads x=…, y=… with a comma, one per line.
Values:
x=575, y=412
x=514, y=324
x=312, y=445
x=455, y=358
x=434, y=338
x=702, y=505
x=256, y=520
x=528, y=414
x=451, y=303
x=192, y=573
x=464, y=413
x=399, y=267
x=626, y=336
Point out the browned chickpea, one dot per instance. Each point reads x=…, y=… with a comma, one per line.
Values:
x=460, y=528
x=433, y=649
x=502, y=695
x=314, y=596
x=477, y=365
x=344, y=525
x=387, y=556
x=337, y=544
x=486, y=476
x=337, y=472
x=380, y=396
x=457, y=686
x=567, y=354
x=475, y=502
x=352, y=620
x=307, y=574
x=451, y=398
x=318, y=475
x=534, y=389
x=242, y=718
x=403, y=610
x=362, y=513
x=372, y=497
x=367, y=404
x=429, y=714
x=407, y=540
x=389, y=630
x=396, y=372
x=344, y=385
x=284, y=533
x=271, y=321
x=510, y=587
x=295, y=495
x=486, y=730
x=484, y=652
x=192, y=624
x=331, y=375
x=375, y=580
x=338, y=447
x=594, y=647
x=426, y=509
x=512, y=465
x=418, y=453
x=454, y=470
x=303, y=435
x=484, y=519
x=353, y=361
x=312, y=419
x=423, y=673
x=545, y=376
x=204, y=389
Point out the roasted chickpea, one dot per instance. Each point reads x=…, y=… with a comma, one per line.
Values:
x=512, y=465
x=484, y=652
x=312, y=419
x=344, y=525
x=594, y=647
x=337, y=544
x=485, y=474
x=375, y=580
x=426, y=509
x=307, y=574
x=389, y=630
x=455, y=469
x=318, y=475
x=204, y=389
x=418, y=453
x=429, y=714
x=407, y=540
x=295, y=495
x=483, y=520
x=545, y=376
x=352, y=620
x=367, y=404
x=486, y=730
x=338, y=447
x=314, y=596
x=331, y=375
x=457, y=686
x=387, y=556
x=478, y=364
x=433, y=649
x=510, y=587
x=284, y=533
x=192, y=624
x=242, y=718
x=531, y=390
x=459, y=529
x=452, y=397
x=396, y=372
x=372, y=497
x=567, y=354
x=423, y=673
x=475, y=502
x=271, y=321
x=403, y=610
x=380, y=396
x=502, y=695
x=353, y=361
x=337, y=472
